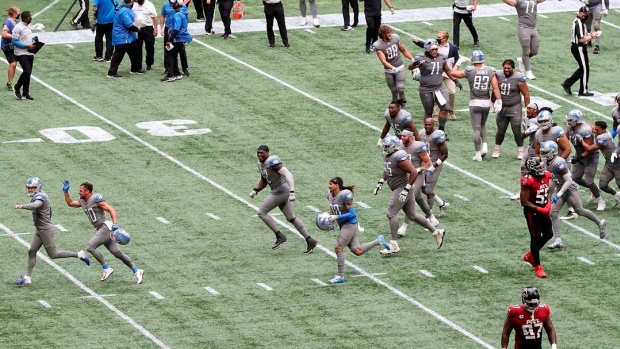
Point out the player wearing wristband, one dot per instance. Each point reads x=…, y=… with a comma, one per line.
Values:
x=528, y=320
x=536, y=202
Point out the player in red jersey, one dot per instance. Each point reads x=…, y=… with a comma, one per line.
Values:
x=528, y=320
x=536, y=202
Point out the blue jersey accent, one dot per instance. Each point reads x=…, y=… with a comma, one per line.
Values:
x=402, y=157
x=275, y=161
x=522, y=78
x=350, y=217
x=559, y=133
x=99, y=198
x=613, y=133
x=38, y=197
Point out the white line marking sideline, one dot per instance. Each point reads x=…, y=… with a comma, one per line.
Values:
x=362, y=275
x=156, y=295
x=44, y=303
x=163, y=220
x=60, y=227
x=480, y=269
x=212, y=291
x=586, y=261
x=426, y=273
x=101, y=295
x=86, y=289
x=318, y=281
x=45, y=8
x=265, y=286
x=362, y=204
x=214, y=216
x=314, y=208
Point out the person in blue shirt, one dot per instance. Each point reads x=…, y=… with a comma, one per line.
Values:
x=342, y=210
x=167, y=12
x=124, y=36
x=103, y=11
x=178, y=37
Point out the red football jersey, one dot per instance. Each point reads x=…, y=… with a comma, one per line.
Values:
x=539, y=188
x=528, y=327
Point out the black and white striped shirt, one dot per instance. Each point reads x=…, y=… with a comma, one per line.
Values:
x=579, y=31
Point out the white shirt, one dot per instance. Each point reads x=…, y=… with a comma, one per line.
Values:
x=144, y=13
x=23, y=34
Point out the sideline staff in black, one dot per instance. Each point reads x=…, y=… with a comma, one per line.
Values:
x=372, y=12
x=274, y=9
x=579, y=48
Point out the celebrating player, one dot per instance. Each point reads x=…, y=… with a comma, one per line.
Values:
x=388, y=49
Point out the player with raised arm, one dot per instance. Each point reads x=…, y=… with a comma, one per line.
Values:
x=342, y=211
x=275, y=175
x=41, y=210
x=388, y=49
x=527, y=33
x=528, y=320
x=95, y=206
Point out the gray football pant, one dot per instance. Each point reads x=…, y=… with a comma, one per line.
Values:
x=451, y=89
x=530, y=42
x=396, y=83
x=302, y=8
x=347, y=237
x=395, y=205
x=574, y=201
x=594, y=20
x=583, y=174
x=46, y=239
x=428, y=100
x=102, y=237
x=431, y=179
x=608, y=173
x=281, y=201
x=420, y=199
x=479, y=116
x=509, y=115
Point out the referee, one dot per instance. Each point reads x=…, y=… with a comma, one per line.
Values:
x=579, y=48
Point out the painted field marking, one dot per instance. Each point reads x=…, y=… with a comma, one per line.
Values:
x=362, y=275
x=318, y=281
x=310, y=31
x=214, y=216
x=362, y=204
x=1, y=235
x=426, y=273
x=586, y=261
x=163, y=220
x=70, y=46
x=541, y=15
x=212, y=291
x=461, y=197
x=428, y=23
x=610, y=24
x=44, y=303
x=480, y=269
x=504, y=19
x=60, y=227
x=101, y=295
x=314, y=208
x=156, y=295
x=49, y=6
x=265, y=286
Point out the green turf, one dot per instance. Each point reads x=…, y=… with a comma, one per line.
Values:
x=243, y=109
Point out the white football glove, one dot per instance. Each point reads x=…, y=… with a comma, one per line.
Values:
x=605, y=13
x=380, y=143
x=253, y=193
x=291, y=196
x=431, y=169
x=379, y=186
x=613, y=157
x=461, y=61
x=402, y=197
x=333, y=218
x=497, y=106
x=531, y=129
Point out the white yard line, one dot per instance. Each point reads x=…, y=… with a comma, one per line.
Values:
x=265, y=286
x=217, y=218
x=156, y=295
x=49, y=6
x=44, y=303
x=212, y=291
x=163, y=220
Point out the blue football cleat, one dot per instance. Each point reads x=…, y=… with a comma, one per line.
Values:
x=385, y=243
x=336, y=280
x=23, y=281
x=83, y=258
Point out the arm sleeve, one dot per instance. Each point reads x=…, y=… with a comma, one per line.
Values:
x=350, y=214
x=33, y=205
x=289, y=177
x=568, y=180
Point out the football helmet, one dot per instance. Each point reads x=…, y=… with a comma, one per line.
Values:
x=176, y=2
x=322, y=221
x=535, y=166
x=390, y=144
x=477, y=56
x=574, y=117
x=121, y=236
x=33, y=182
x=431, y=44
x=530, y=298
x=548, y=150
x=415, y=74
x=545, y=119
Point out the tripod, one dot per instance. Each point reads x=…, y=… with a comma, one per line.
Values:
x=65, y=15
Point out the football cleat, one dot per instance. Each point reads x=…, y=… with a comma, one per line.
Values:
x=106, y=273
x=311, y=245
x=517, y=196
x=303, y=22
x=521, y=65
x=484, y=150
x=556, y=245
x=336, y=280
x=601, y=204
x=280, y=239
x=25, y=280
x=616, y=199
x=439, y=235
x=591, y=198
x=540, y=272
x=569, y=215
x=83, y=258
x=496, y=152
x=520, y=152
x=527, y=257
x=139, y=275
x=602, y=229
x=402, y=231
x=383, y=242
x=443, y=208
x=529, y=75
x=477, y=157
x=433, y=221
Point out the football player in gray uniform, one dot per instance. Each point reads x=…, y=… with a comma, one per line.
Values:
x=615, y=115
x=95, y=206
x=342, y=211
x=585, y=163
x=596, y=8
x=432, y=91
x=527, y=32
x=511, y=85
x=482, y=80
x=401, y=176
x=531, y=126
x=611, y=169
x=398, y=119
x=388, y=49
x=567, y=191
x=41, y=210
x=438, y=152
x=282, y=184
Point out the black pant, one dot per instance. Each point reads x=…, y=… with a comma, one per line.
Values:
x=171, y=59
x=372, y=30
x=101, y=31
x=583, y=72
x=117, y=57
x=182, y=52
x=81, y=17
x=146, y=39
x=26, y=62
x=456, y=26
x=275, y=11
x=345, y=12
x=199, y=10
x=541, y=231
x=209, y=10
x=225, y=7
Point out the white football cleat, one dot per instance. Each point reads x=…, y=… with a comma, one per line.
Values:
x=521, y=65
x=569, y=215
x=520, y=152
x=477, y=157
x=439, y=234
x=316, y=23
x=497, y=151
x=484, y=150
x=556, y=245
x=529, y=75
x=591, y=198
x=443, y=208
x=517, y=196
x=433, y=221
x=139, y=274
x=402, y=231
x=106, y=273
x=304, y=21
x=616, y=200
x=601, y=204
x=393, y=248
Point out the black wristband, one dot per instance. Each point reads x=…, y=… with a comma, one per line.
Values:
x=256, y=190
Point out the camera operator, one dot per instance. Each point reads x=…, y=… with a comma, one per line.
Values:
x=23, y=40
x=103, y=11
x=7, y=45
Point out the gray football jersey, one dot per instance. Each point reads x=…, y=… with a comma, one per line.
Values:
x=42, y=216
x=276, y=181
x=396, y=177
x=479, y=82
x=526, y=11
x=337, y=202
x=390, y=50
x=432, y=142
x=555, y=166
x=606, y=145
x=585, y=131
x=509, y=87
x=431, y=73
x=414, y=150
x=400, y=122
x=553, y=135
x=528, y=124
x=95, y=214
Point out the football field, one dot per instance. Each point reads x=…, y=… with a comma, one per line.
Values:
x=178, y=160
